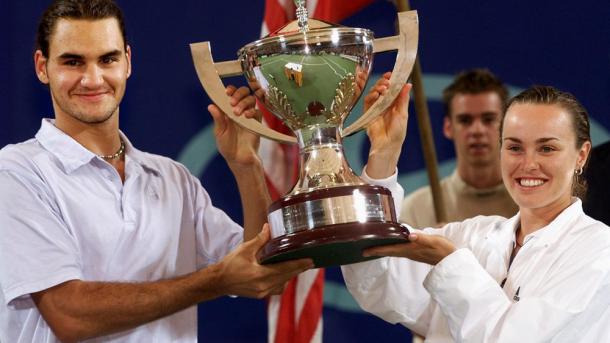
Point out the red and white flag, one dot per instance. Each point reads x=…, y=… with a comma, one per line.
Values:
x=295, y=316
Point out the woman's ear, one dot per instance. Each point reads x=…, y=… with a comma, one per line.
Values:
x=583, y=154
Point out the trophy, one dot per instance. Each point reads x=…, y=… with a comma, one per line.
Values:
x=310, y=73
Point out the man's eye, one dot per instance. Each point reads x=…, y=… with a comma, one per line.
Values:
x=108, y=60
x=465, y=121
x=72, y=63
x=489, y=120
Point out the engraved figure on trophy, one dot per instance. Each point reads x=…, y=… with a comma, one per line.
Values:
x=310, y=73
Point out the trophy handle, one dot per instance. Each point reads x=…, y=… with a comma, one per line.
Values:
x=209, y=75
x=406, y=44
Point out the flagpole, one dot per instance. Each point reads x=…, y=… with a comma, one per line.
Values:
x=425, y=130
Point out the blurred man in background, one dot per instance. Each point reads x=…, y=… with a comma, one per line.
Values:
x=473, y=104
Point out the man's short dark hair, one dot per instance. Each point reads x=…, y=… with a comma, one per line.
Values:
x=474, y=81
x=76, y=9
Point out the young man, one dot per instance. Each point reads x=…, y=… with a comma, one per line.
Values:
x=99, y=239
x=473, y=105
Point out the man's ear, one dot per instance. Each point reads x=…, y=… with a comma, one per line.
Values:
x=128, y=56
x=40, y=65
x=448, y=128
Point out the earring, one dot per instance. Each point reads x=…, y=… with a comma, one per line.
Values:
x=578, y=171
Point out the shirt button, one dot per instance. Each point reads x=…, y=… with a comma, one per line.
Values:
x=152, y=193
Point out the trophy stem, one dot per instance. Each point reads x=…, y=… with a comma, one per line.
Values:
x=322, y=162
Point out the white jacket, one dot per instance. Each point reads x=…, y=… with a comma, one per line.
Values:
x=557, y=289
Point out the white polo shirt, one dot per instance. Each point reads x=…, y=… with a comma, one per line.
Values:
x=65, y=214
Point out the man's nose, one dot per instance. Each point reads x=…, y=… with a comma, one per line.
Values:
x=477, y=126
x=92, y=77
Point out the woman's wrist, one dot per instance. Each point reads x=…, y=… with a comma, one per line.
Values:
x=381, y=164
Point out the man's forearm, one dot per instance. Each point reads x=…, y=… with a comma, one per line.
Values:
x=77, y=310
x=255, y=199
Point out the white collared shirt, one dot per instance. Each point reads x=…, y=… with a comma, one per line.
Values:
x=65, y=214
x=557, y=289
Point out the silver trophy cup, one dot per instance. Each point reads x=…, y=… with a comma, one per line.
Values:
x=310, y=74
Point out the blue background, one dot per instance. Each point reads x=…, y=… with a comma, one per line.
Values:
x=561, y=43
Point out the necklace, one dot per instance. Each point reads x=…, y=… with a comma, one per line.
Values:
x=116, y=155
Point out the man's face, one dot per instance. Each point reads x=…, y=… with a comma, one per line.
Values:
x=86, y=70
x=473, y=126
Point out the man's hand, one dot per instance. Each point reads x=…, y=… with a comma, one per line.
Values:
x=241, y=274
x=387, y=133
x=430, y=249
x=238, y=146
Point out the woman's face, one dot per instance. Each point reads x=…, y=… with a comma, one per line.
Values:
x=539, y=155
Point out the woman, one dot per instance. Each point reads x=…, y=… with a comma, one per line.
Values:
x=541, y=276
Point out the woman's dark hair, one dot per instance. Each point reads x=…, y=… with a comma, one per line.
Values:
x=76, y=9
x=547, y=95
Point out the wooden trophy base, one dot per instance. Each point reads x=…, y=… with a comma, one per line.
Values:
x=333, y=245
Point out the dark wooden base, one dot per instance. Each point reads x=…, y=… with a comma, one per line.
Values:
x=333, y=245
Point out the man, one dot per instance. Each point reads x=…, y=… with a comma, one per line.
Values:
x=99, y=239
x=473, y=105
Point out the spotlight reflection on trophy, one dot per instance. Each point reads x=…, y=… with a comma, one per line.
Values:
x=310, y=73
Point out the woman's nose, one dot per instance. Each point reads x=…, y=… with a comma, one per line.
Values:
x=530, y=161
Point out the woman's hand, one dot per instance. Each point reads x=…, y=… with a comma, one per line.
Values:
x=388, y=132
x=430, y=249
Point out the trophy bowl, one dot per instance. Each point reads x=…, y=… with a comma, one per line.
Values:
x=311, y=79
